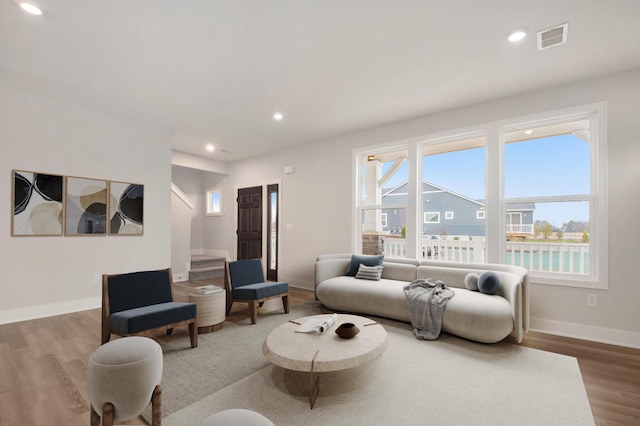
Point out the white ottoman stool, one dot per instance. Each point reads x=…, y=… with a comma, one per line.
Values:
x=123, y=376
x=236, y=417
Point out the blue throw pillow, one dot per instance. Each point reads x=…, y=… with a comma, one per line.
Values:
x=361, y=259
x=489, y=282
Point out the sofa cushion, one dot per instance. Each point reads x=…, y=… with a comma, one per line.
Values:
x=476, y=316
x=360, y=259
x=259, y=290
x=369, y=272
x=384, y=298
x=152, y=316
x=399, y=271
x=489, y=282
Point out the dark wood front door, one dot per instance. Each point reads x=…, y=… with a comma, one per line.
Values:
x=250, y=223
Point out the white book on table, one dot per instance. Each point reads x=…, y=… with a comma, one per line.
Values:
x=317, y=325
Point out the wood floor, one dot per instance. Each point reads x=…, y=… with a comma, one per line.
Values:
x=42, y=367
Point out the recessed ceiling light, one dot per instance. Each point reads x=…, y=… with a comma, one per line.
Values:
x=31, y=8
x=517, y=35
x=210, y=148
x=278, y=116
x=528, y=132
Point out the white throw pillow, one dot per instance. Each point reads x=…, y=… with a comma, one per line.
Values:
x=373, y=273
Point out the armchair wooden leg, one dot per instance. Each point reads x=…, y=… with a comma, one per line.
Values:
x=253, y=311
x=107, y=414
x=285, y=303
x=193, y=334
x=106, y=336
x=229, y=305
x=156, y=406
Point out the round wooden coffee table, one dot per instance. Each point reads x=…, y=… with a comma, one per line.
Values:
x=316, y=353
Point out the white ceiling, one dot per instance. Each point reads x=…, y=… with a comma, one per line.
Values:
x=215, y=71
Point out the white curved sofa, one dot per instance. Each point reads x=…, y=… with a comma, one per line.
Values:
x=469, y=314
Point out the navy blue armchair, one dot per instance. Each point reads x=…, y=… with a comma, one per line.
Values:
x=245, y=283
x=141, y=303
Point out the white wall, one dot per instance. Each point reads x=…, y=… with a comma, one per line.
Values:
x=316, y=201
x=190, y=182
x=50, y=275
x=195, y=182
x=180, y=237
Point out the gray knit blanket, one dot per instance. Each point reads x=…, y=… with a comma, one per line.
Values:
x=426, y=301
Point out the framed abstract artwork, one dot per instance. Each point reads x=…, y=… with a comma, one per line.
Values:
x=85, y=206
x=38, y=207
x=126, y=208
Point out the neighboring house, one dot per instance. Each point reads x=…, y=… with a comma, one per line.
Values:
x=519, y=220
x=446, y=213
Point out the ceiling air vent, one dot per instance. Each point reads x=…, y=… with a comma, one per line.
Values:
x=553, y=36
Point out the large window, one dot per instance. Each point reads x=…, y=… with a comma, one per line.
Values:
x=548, y=168
x=383, y=202
x=527, y=192
x=453, y=182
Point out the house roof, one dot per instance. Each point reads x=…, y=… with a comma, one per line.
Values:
x=481, y=202
x=521, y=206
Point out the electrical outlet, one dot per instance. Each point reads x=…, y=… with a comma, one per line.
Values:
x=592, y=300
x=96, y=278
x=180, y=277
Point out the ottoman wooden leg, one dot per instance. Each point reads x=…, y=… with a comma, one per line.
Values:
x=107, y=414
x=95, y=418
x=156, y=406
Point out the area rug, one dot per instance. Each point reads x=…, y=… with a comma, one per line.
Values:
x=450, y=381
x=221, y=358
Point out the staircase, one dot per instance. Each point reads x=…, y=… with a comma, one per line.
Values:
x=207, y=270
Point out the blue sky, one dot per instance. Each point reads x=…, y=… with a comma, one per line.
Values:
x=557, y=165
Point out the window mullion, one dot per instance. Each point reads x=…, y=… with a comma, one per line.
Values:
x=550, y=199
x=495, y=218
x=414, y=228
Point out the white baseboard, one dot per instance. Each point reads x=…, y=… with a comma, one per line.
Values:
x=305, y=285
x=42, y=311
x=178, y=278
x=585, y=332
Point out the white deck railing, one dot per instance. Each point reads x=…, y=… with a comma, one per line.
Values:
x=570, y=258
x=513, y=228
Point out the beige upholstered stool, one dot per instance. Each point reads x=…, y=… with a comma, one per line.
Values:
x=236, y=417
x=123, y=376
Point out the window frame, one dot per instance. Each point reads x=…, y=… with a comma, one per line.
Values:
x=597, y=198
x=494, y=212
x=383, y=220
x=436, y=214
x=210, y=194
x=359, y=206
x=448, y=215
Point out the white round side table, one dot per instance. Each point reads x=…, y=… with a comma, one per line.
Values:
x=211, y=310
